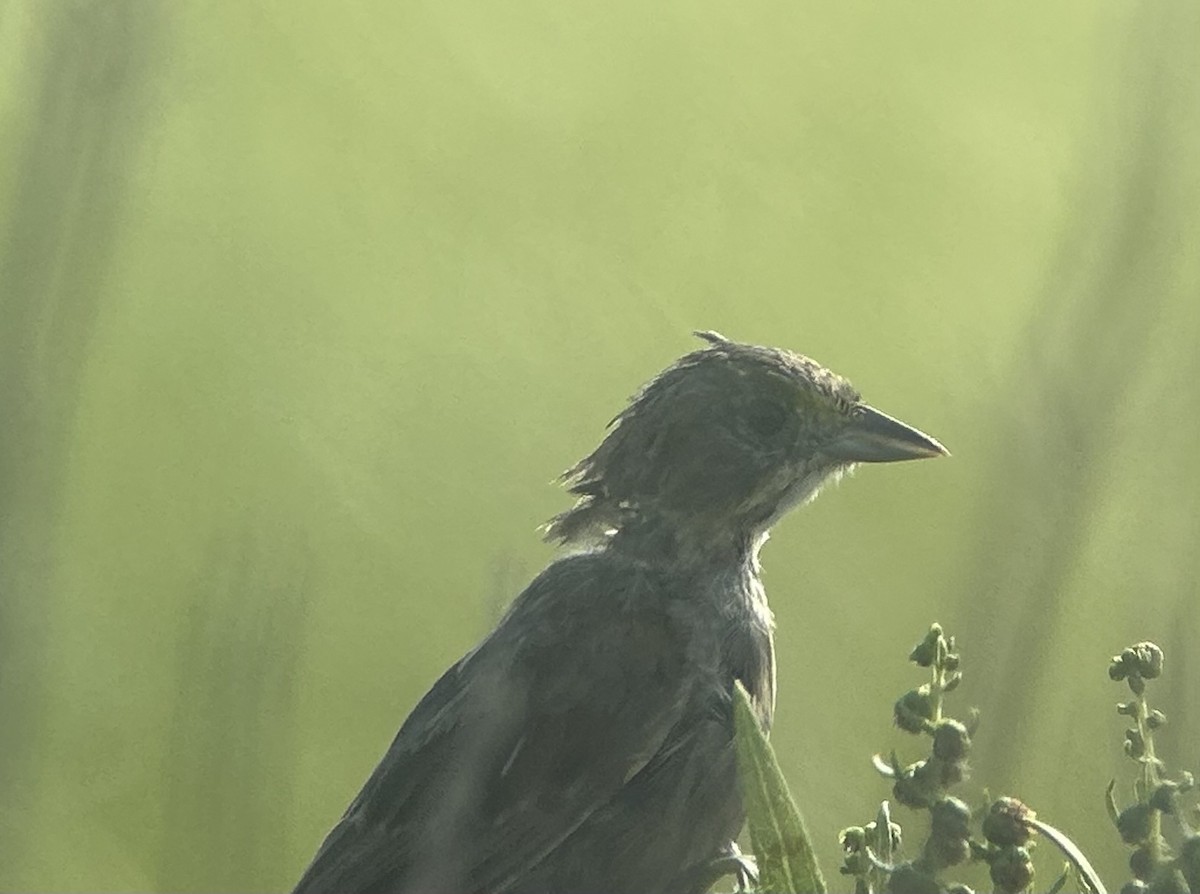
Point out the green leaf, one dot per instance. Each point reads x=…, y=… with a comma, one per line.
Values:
x=1087, y=875
x=786, y=862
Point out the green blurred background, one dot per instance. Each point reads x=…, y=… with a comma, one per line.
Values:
x=303, y=306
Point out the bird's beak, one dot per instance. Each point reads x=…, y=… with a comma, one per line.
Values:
x=874, y=437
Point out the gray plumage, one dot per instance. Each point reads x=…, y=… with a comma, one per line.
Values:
x=585, y=745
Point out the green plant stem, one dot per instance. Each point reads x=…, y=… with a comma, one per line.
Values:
x=1071, y=851
x=1150, y=777
x=937, y=683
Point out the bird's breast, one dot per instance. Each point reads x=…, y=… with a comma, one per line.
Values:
x=738, y=638
x=748, y=655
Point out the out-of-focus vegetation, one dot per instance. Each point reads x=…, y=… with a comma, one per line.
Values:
x=998, y=835
x=303, y=305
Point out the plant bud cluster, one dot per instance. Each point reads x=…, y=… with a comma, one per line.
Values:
x=926, y=784
x=1008, y=838
x=1155, y=868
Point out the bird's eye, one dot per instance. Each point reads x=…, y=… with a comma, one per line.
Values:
x=765, y=418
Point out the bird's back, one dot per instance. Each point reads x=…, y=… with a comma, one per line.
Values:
x=584, y=746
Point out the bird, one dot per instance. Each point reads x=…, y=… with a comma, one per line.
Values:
x=585, y=745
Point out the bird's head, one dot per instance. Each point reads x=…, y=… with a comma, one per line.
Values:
x=723, y=442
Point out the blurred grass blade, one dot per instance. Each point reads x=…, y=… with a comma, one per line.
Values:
x=786, y=862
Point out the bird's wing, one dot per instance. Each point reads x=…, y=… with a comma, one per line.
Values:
x=518, y=743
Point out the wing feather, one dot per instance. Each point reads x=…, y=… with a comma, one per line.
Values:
x=521, y=741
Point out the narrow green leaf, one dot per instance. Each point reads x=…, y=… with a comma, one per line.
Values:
x=1087, y=875
x=786, y=862
x=1063, y=878
x=1110, y=801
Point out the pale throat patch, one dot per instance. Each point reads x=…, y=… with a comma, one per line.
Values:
x=805, y=489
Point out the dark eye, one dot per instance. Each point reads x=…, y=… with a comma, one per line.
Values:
x=766, y=418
